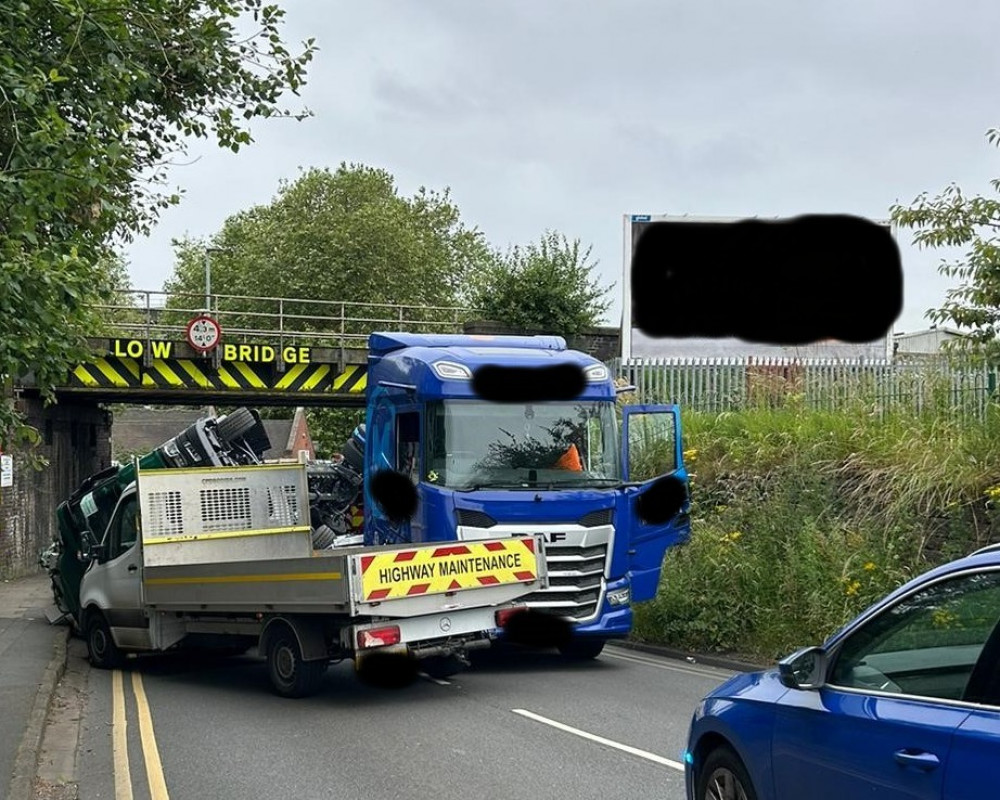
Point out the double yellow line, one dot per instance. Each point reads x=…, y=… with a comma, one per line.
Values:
x=150, y=752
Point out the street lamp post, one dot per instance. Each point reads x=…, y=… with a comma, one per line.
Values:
x=208, y=274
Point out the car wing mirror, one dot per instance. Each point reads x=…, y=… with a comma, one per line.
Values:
x=804, y=669
x=97, y=551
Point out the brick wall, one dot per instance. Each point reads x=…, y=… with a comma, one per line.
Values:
x=300, y=437
x=76, y=442
x=602, y=343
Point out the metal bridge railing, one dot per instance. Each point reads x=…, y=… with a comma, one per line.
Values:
x=279, y=321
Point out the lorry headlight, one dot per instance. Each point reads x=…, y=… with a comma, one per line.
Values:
x=619, y=597
x=448, y=370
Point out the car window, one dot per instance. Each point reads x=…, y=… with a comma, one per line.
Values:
x=925, y=645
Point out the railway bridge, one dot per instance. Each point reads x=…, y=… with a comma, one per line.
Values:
x=157, y=348
x=162, y=348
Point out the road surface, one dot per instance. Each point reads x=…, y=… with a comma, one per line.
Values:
x=524, y=726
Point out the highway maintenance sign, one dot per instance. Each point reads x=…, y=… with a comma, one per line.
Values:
x=448, y=568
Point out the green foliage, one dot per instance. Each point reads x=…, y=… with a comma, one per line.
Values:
x=331, y=427
x=954, y=219
x=531, y=452
x=95, y=98
x=544, y=286
x=343, y=235
x=803, y=518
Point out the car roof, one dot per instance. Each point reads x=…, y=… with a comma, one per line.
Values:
x=988, y=556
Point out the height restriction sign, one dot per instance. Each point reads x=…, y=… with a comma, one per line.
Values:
x=203, y=333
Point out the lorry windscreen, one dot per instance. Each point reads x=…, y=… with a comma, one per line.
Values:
x=474, y=443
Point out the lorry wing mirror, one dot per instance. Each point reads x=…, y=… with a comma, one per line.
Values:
x=97, y=551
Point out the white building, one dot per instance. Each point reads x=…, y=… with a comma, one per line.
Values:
x=923, y=343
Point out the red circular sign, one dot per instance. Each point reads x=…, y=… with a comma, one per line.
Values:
x=203, y=333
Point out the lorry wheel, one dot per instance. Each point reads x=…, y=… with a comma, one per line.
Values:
x=101, y=647
x=290, y=675
x=234, y=425
x=323, y=537
x=582, y=649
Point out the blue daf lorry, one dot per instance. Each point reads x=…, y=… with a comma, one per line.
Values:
x=574, y=469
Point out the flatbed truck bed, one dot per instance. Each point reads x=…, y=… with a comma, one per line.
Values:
x=225, y=552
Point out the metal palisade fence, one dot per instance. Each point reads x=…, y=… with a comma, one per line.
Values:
x=930, y=385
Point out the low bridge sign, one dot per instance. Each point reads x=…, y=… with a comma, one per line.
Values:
x=174, y=371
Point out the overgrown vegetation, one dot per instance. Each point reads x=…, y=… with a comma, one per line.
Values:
x=801, y=519
x=96, y=99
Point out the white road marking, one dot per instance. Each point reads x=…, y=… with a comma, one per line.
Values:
x=438, y=681
x=693, y=669
x=601, y=740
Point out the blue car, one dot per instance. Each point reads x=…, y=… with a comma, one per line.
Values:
x=902, y=702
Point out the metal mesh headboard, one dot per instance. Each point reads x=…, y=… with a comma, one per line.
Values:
x=188, y=503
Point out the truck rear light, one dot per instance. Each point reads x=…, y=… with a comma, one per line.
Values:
x=503, y=615
x=379, y=637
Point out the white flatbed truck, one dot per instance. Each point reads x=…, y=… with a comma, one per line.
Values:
x=225, y=555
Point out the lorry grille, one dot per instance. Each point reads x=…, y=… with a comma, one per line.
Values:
x=576, y=581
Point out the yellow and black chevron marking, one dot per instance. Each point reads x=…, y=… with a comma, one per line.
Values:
x=108, y=372
x=111, y=372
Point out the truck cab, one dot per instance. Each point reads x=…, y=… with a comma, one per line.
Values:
x=113, y=584
x=571, y=470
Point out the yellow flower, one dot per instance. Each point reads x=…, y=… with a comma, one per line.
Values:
x=690, y=455
x=870, y=566
x=942, y=618
x=853, y=587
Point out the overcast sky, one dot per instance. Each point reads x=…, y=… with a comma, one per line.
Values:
x=567, y=115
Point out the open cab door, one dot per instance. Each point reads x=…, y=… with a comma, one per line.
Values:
x=652, y=456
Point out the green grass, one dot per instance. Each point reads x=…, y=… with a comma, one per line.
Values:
x=802, y=518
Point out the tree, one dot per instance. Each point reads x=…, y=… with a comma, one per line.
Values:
x=96, y=97
x=337, y=236
x=331, y=237
x=546, y=285
x=953, y=219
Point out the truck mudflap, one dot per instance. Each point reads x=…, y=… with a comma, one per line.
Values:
x=425, y=580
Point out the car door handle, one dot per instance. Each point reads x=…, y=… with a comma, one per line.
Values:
x=132, y=568
x=917, y=758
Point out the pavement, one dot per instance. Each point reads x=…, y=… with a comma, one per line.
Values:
x=33, y=657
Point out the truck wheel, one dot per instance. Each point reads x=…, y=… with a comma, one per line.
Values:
x=323, y=537
x=101, y=647
x=582, y=649
x=440, y=666
x=234, y=425
x=290, y=675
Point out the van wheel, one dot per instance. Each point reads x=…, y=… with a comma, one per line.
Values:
x=582, y=649
x=101, y=647
x=290, y=675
